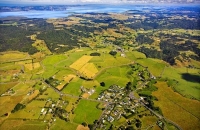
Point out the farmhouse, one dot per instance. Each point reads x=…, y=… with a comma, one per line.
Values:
x=42, y=110
x=110, y=119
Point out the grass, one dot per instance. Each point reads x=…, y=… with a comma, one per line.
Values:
x=117, y=75
x=49, y=93
x=50, y=65
x=31, y=111
x=5, y=78
x=90, y=84
x=155, y=66
x=31, y=66
x=134, y=55
x=21, y=88
x=4, y=87
x=73, y=87
x=148, y=120
x=63, y=125
x=177, y=108
x=12, y=56
x=184, y=87
x=22, y=125
x=71, y=100
x=63, y=73
x=195, y=63
x=53, y=59
x=7, y=103
x=41, y=46
x=49, y=71
x=86, y=111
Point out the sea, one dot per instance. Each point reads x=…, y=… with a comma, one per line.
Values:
x=85, y=9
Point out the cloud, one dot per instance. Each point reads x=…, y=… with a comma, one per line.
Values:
x=95, y=1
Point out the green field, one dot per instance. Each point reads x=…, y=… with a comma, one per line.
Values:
x=117, y=75
x=63, y=125
x=134, y=55
x=186, y=88
x=62, y=73
x=73, y=87
x=49, y=94
x=154, y=66
x=86, y=112
x=31, y=111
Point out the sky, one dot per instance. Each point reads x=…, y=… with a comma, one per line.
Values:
x=85, y=1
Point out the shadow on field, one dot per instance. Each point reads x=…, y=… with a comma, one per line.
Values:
x=191, y=77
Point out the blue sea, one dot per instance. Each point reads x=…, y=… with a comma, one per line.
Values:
x=81, y=10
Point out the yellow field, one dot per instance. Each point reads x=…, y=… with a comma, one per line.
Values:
x=59, y=87
x=89, y=70
x=7, y=124
x=85, y=95
x=120, y=16
x=148, y=120
x=177, y=108
x=23, y=62
x=31, y=66
x=84, y=68
x=69, y=77
x=28, y=98
x=81, y=127
x=77, y=65
x=7, y=103
x=71, y=21
x=13, y=56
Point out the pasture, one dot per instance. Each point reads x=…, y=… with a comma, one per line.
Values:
x=31, y=111
x=41, y=46
x=86, y=111
x=10, y=56
x=73, y=87
x=63, y=74
x=90, y=84
x=32, y=66
x=185, y=87
x=134, y=55
x=6, y=86
x=177, y=108
x=53, y=59
x=49, y=94
x=155, y=66
x=21, y=88
x=63, y=125
x=7, y=103
x=23, y=125
x=50, y=63
x=117, y=75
